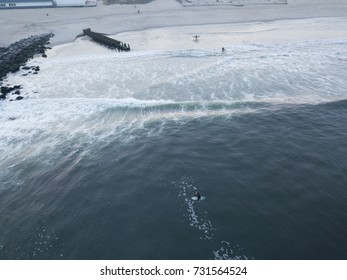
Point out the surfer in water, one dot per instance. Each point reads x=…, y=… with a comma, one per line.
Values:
x=197, y=194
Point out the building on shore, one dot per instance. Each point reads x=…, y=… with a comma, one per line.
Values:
x=75, y=3
x=13, y=4
x=16, y=4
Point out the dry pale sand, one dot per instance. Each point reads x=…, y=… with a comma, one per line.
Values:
x=67, y=23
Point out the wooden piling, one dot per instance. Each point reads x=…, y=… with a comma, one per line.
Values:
x=106, y=41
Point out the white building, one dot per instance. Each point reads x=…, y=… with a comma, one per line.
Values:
x=12, y=4
x=75, y=3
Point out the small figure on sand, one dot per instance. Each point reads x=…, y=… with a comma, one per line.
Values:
x=196, y=38
x=138, y=11
x=223, y=50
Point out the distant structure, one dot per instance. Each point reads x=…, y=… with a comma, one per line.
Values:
x=75, y=3
x=13, y=4
x=17, y=4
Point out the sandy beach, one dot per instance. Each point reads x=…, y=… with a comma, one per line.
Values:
x=164, y=25
x=67, y=23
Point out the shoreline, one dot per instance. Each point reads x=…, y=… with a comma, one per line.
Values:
x=214, y=35
x=67, y=23
x=177, y=42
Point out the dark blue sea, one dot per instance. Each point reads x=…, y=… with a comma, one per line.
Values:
x=106, y=168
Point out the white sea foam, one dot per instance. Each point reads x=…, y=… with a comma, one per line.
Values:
x=86, y=90
x=40, y=244
x=198, y=218
x=227, y=251
x=102, y=93
x=295, y=72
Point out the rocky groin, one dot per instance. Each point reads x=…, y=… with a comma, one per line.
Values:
x=15, y=56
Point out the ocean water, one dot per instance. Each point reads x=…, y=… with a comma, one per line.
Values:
x=100, y=160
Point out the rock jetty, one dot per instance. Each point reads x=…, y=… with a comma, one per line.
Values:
x=13, y=57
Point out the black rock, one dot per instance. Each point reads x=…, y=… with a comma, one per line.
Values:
x=2, y=96
x=13, y=57
x=17, y=92
x=4, y=90
x=35, y=73
x=26, y=68
x=44, y=55
x=19, y=98
x=14, y=69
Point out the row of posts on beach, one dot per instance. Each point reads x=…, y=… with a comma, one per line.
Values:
x=115, y=44
x=107, y=41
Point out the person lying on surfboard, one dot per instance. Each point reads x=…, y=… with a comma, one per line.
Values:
x=198, y=197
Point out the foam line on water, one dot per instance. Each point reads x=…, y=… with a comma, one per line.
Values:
x=227, y=251
x=40, y=128
x=32, y=125
x=198, y=218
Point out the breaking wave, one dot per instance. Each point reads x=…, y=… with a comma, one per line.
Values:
x=81, y=106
